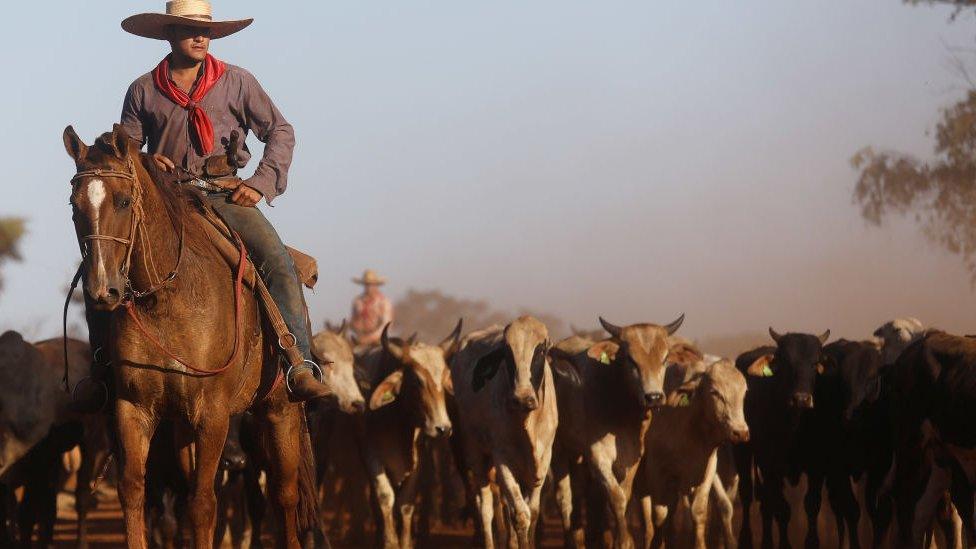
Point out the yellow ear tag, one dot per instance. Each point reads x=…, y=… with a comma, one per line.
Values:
x=387, y=397
x=683, y=400
x=604, y=357
x=767, y=371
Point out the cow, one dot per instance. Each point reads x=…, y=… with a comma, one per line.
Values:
x=895, y=335
x=335, y=433
x=681, y=451
x=409, y=381
x=780, y=383
x=507, y=419
x=605, y=395
x=933, y=394
x=33, y=402
x=844, y=436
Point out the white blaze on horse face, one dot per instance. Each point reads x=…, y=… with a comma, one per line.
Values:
x=96, y=195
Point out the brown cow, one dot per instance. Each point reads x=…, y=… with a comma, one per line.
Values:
x=332, y=349
x=507, y=418
x=409, y=382
x=605, y=396
x=681, y=451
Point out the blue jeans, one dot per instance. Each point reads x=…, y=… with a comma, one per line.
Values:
x=273, y=262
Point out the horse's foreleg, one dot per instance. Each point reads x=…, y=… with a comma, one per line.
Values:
x=283, y=432
x=135, y=428
x=209, y=442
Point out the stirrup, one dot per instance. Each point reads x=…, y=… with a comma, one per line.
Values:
x=93, y=380
x=316, y=371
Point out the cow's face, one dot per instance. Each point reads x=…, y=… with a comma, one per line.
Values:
x=723, y=392
x=860, y=378
x=526, y=347
x=896, y=335
x=794, y=366
x=640, y=359
x=421, y=382
x=333, y=352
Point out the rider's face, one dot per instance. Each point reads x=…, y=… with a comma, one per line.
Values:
x=190, y=42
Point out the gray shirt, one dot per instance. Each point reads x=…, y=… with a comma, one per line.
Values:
x=236, y=102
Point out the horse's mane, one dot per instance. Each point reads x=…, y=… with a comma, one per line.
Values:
x=179, y=200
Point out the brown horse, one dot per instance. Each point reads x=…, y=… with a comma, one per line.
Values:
x=178, y=314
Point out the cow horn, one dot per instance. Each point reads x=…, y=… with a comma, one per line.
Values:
x=673, y=327
x=774, y=334
x=394, y=349
x=610, y=328
x=824, y=337
x=343, y=328
x=450, y=342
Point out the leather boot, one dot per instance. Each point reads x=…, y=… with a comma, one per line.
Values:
x=303, y=385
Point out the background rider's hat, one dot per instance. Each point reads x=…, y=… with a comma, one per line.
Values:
x=194, y=13
x=370, y=277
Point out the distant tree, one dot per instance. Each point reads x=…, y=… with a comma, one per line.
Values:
x=433, y=314
x=11, y=231
x=941, y=193
x=959, y=5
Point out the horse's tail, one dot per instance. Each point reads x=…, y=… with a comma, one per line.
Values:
x=309, y=519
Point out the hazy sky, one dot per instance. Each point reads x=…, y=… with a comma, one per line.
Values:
x=630, y=159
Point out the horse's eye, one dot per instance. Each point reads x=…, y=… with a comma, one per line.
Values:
x=125, y=203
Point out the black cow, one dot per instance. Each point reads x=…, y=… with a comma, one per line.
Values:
x=844, y=436
x=933, y=396
x=781, y=384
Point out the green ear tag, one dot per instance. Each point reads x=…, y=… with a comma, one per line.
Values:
x=604, y=357
x=684, y=401
x=767, y=371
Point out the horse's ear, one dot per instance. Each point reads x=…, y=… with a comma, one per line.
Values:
x=121, y=141
x=74, y=145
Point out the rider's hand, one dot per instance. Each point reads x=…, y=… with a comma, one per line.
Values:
x=246, y=196
x=163, y=163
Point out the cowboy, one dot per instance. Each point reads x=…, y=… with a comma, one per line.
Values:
x=371, y=310
x=189, y=106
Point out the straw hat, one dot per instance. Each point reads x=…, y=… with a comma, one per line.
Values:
x=193, y=13
x=370, y=277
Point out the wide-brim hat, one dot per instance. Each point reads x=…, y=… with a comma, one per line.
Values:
x=193, y=13
x=370, y=277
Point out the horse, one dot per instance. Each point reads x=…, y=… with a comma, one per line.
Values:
x=167, y=333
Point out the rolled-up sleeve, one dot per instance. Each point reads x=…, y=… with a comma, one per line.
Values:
x=262, y=117
x=132, y=114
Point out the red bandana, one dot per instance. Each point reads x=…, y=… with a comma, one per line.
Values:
x=213, y=69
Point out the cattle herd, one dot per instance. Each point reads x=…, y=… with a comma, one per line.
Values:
x=631, y=435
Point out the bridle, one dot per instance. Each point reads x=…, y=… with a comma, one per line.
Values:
x=136, y=232
x=130, y=294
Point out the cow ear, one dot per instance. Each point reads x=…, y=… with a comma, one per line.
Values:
x=567, y=371
x=486, y=367
x=761, y=367
x=604, y=352
x=827, y=365
x=387, y=391
x=447, y=381
x=74, y=145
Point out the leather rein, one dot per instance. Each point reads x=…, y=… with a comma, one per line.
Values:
x=137, y=233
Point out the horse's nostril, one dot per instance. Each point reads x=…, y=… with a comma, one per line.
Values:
x=442, y=431
x=113, y=295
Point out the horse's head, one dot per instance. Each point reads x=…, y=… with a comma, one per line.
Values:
x=103, y=203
